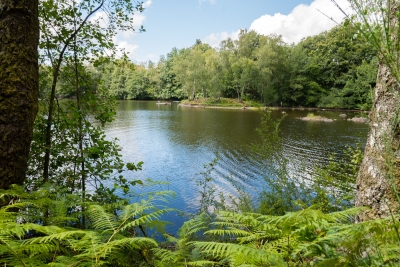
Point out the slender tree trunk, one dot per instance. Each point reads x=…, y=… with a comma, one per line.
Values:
x=379, y=173
x=237, y=91
x=56, y=73
x=46, y=163
x=19, y=39
x=80, y=130
x=242, y=92
x=194, y=89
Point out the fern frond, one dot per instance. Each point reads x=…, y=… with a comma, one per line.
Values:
x=240, y=254
x=227, y=224
x=10, y=246
x=102, y=250
x=228, y=232
x=284, y=245
x=166, y=255
x=248, y=219
x=135, y=209
x=194, y=226
x=143, y=219
x=227, y=249
x=62, y=261
x=345, y=215
x=102, y=220
x=15, y=192
x=201, y=263
x=158, y=196
x=61, y=235
x=87, y=247
x=262, y=236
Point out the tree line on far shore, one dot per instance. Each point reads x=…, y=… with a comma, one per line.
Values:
x=335, y=69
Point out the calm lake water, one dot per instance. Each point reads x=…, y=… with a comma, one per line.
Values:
x=175, y=142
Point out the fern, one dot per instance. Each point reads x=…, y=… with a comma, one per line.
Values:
x=223, y=239
x=370, y=243
x=264, y=240
x=241, y=255
x=183, y=252
x=28, y=239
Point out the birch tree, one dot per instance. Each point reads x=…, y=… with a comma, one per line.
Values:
x=378, y=177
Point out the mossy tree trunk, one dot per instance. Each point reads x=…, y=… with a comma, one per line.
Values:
x=378, y=178
x=19, y=38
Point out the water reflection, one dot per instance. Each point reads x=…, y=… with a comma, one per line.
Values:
x=175, y=142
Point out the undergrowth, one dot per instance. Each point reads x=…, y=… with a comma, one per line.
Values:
x=38, y=229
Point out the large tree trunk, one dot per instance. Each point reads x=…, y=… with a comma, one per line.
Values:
x=379, y=173
x=19, y=38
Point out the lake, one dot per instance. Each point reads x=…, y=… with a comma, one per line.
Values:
x=174, y=142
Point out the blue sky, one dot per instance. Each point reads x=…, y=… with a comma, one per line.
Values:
x=178, y=23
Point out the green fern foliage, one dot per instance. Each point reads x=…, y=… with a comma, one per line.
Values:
x=250, y=239
x=370, y=243
x=180, y=251
x=34, y=233
x=304, y=238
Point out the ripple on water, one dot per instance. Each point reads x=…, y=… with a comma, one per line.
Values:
x=175, y=143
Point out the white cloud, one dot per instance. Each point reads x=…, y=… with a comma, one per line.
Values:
x=126, y=39
x=211, y=1
x=303, y=21
x=138, y=20
x=101, y=18
x=128, y=47
x=147, y=3
x=215, y=39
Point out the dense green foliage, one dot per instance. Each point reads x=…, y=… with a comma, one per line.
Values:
x=303, y=238
x=69, y=147
x=41, y=229
x=335, y=69
x=81, y=212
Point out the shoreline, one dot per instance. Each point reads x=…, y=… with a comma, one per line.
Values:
x=274, y=108
x=216, y=107
x=251, y=107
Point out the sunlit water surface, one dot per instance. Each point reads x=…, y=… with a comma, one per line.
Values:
x=174, y=142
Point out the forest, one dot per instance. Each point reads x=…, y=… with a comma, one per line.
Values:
x=66, y=199
x=335, y=69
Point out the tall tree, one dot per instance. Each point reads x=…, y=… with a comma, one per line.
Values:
x=19, y=38
x=213, y=69
x=378, y=178
x=70, y=24
x=272, y=61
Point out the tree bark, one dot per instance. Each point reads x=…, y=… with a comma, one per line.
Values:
x=19, y=38
x=378, y=178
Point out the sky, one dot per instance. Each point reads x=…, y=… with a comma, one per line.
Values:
x=178, y=23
